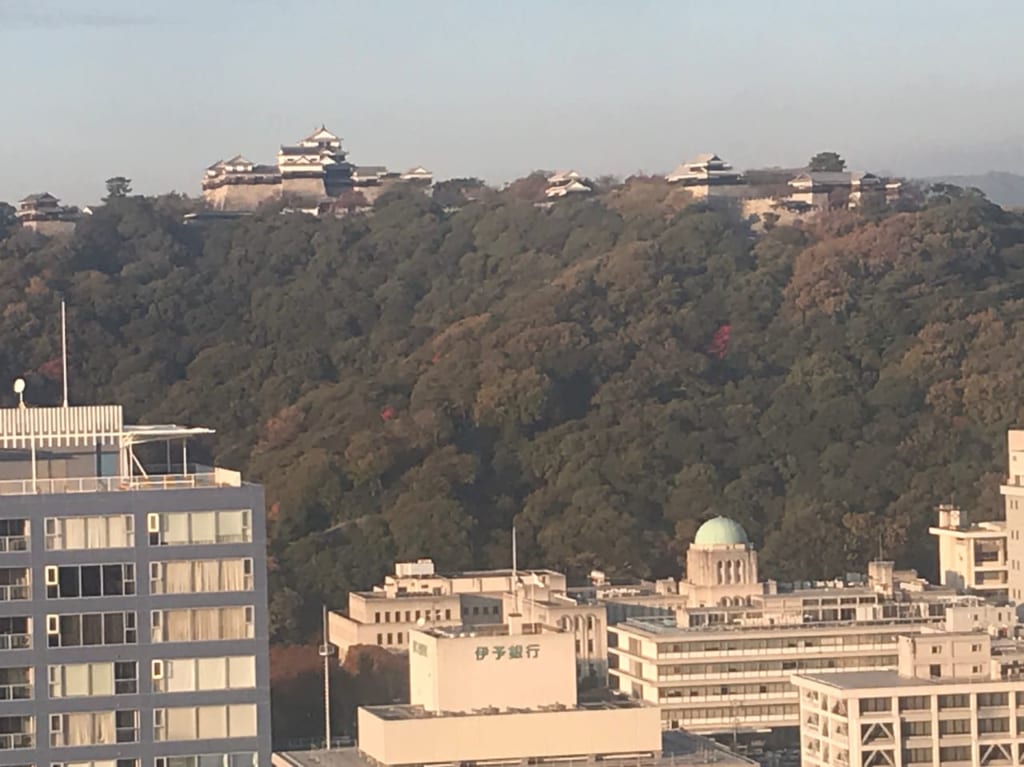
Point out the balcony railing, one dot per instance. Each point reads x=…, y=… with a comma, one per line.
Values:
x=13, y=543
x=15, y=641
x=14, y=740
x=56, y=486
x=16, y=691
x=15, y=591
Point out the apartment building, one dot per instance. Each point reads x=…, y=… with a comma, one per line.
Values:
x=972, y=557
x=955, y=698
x=133, y=620
x=721, y=661
x=417, y=596
x=987, y=558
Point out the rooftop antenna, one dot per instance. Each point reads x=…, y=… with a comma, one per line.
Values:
x=64, y=349
x=19, y=389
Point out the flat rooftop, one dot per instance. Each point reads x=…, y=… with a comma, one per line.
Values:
x=488, y=630
x=407, y=711
x=850, y=680
x=665, y=627
x=678, y=748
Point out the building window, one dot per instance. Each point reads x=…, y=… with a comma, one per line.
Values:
x=205, y=722
x=915, y=703
x=917, y=756
x=73, y=581
x=16, y=683
x=936, y=649
x=86, y=679
x=114, y=531
x=935, y=671
x=954, y=701
x=245, y=759
x=17, y=732
x=376, y=617
x=15, y=583
x=15, y=633
x=917, y=728
x=954, y=727
x=447, y=615
x=202, y=624
x=14, y=535
x=91, y=629
x=954, y=754
x=183, y=528
x=992, y=699
x=868, y=705
x=200, y=576
x=197, y=674
x=1000, y=724
x=103, y=763
x=94, y=728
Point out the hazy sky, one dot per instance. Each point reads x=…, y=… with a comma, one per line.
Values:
x=157, y=90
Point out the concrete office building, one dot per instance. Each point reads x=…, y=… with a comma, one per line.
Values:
x=417, y=596
x=719, y=656
x=987, y=558
x=133, y=621
x=955, y=698
x=506, y=695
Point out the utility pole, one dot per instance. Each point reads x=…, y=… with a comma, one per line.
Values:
x=326, y=651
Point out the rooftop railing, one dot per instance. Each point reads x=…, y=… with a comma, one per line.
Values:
x=64, y=485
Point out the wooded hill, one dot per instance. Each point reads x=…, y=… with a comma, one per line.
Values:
x=604, y=373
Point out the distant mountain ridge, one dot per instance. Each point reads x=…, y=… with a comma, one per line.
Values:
x=1006, y=189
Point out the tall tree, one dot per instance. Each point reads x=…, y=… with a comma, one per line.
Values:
x=118, y=186
x=8, y=219
x=827, y=162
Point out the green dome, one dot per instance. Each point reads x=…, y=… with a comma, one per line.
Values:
x=721, y=531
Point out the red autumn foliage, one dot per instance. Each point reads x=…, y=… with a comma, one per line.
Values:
x=719, y=345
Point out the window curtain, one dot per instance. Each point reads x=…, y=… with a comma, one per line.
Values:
x=233, y=622
x=213, y=721
x=178, y=625
x=234, y=575
x=96, y=532
x=242, y=672
x=180, y=675
x=175, y=528
x=102, y=678
x=204, y=527
x=74, y=532
x=177, y=577
x=232, y=525
x=212, y=673
x=242, y=720
x=208, y=624
x=76, y=679
x=104, y=727
x=181, y=723
x=118, y=532
x=208, y=575
x=77, y=730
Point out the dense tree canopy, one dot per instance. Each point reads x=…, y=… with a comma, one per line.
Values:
x=603, y=373
x=829, y=162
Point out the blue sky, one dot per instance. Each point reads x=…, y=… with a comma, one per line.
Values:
x=157, y=90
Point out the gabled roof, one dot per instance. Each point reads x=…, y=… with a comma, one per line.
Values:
x=563, y=177
x=39, y=197
x=321, y=134
x=217, y=165
x=706, y=157
x=238, y=160
x=832, y=178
